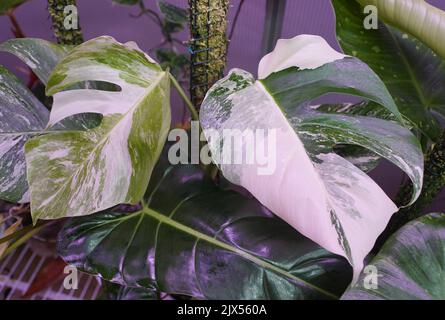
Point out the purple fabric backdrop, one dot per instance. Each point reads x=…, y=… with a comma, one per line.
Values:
x=101, y=17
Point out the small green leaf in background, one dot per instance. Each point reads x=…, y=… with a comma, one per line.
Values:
x=413, y=73
x=173, y=13
x=410, y=265
x=175, y=62
x=194, y=239
x=175, y=18
x=75, y=173
x=311, y=187
x=7, y=5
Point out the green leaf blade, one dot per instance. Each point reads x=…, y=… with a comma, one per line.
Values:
x=412, y=73
x=192, y=237
x=410, y=265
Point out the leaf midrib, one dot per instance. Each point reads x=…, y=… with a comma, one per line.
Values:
x=201, y=236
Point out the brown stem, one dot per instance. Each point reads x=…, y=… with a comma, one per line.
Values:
x=16, y=29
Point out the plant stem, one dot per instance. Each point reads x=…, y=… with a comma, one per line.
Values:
x=28, y=235
x=63, y=35
x=16, y=29
x=20, y=232
x=208, y=26
x=184, y=97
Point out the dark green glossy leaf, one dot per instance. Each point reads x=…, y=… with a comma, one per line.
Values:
x=410, y=265
x=118, y=292
x=413, y=74
x=417, y=17
x=194, y=239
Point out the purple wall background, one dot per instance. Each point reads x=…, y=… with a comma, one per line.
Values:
x=101, y=17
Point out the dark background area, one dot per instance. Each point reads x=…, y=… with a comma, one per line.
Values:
x=102, y=17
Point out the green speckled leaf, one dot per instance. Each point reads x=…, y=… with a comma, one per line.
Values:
x=413, y=74
x=410, y=265
x=81, y=172
x=417, y=17
x=21, y=116
x=318, y=192
x=195, y=239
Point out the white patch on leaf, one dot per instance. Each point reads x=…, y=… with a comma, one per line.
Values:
x=303, y=51
x=323, y=195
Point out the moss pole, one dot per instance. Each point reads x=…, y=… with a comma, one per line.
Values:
x=208, y=26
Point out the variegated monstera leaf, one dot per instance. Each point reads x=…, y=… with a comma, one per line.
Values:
x=22, y=115
x=300, y=178
x=73, y=173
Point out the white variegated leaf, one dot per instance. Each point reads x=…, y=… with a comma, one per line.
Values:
x=81, y=172
x=21, y=116
x=40, y=55
x=318, y=192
